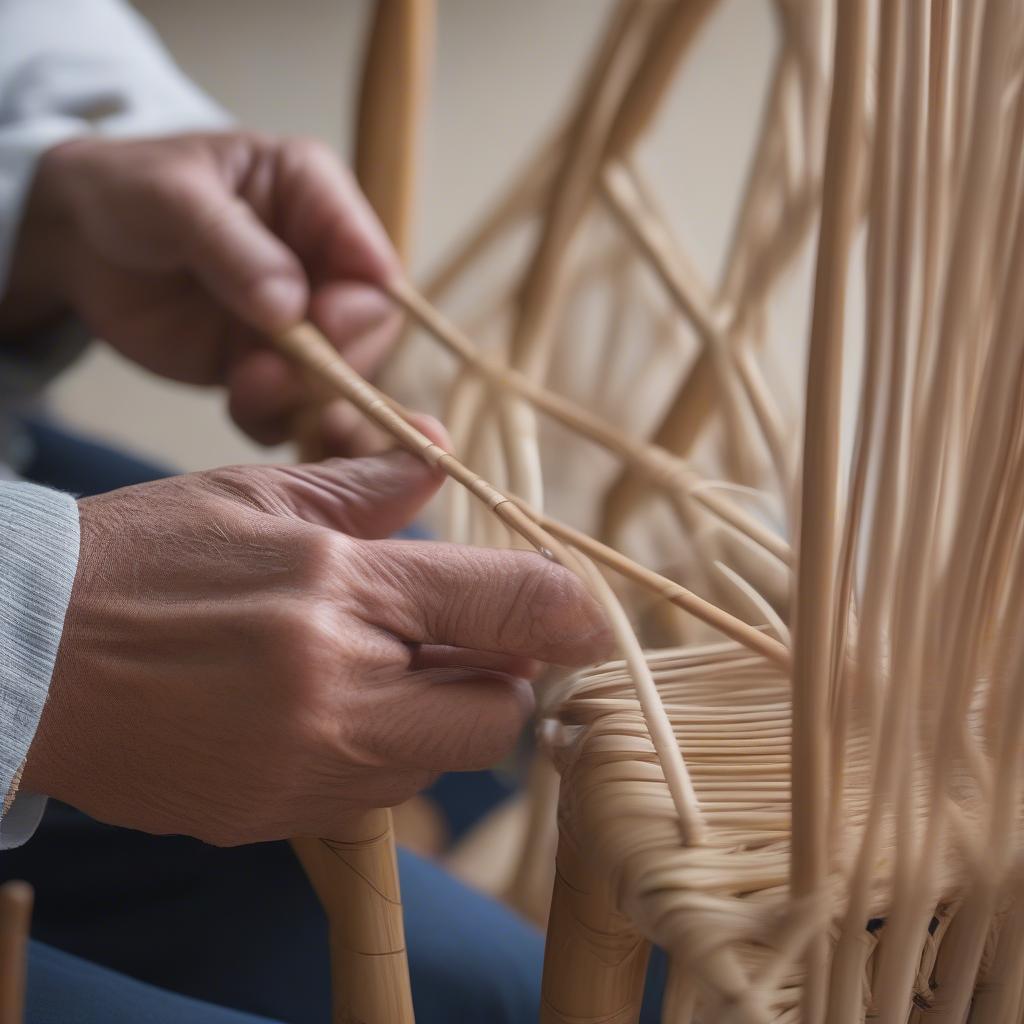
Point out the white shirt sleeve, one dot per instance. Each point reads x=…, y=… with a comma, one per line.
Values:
x=73, y=67
x=67, y=68
x=38, y=556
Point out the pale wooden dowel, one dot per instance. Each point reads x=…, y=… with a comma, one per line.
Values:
x=677, y=432
x=512, y=207
x=969, y=241
x=396, y=68
x=392, y=100
x=308, y=347
x=595, y=961
x=572, y=186
x=529, y=887
x=730, y=626
x=355, y=876
x=542, y=290
x=670, y=39
x=881, y=288
x=356, y=880
x=661, y=466
x=755, y=258
x=816, y=566
x=630, y=75
x=849, y=957
x=938, y=207
x=15, y=917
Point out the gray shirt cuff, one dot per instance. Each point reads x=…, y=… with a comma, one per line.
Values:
x=39, y=536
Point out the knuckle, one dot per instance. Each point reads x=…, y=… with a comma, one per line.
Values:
x=312, y=626
x=361, y=743
x=301, y=634
x=320, y=560
x=246, y=485
x=379, y=578
x=307, y=148
x=179, y=183
x=356, y=492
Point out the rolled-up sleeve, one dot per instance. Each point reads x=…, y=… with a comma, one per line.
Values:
x=39, y=537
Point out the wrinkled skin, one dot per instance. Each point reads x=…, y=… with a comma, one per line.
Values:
x=243, y=658
x=183, y=253
x=242, y=661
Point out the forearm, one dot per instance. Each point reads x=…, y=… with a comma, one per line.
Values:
x=39, y=540
x=35, y=294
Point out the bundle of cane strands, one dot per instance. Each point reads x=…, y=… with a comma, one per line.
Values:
x=803, y=783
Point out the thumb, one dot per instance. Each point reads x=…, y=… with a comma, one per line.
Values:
x=370, y=498
x=237, y=258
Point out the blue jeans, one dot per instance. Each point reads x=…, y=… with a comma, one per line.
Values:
x=137, y=929
x=64, y=989
x=241, y=928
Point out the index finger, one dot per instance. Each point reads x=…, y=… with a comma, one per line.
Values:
x=508, y=602
x=326, y=219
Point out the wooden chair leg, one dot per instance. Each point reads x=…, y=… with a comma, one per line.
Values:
x=595, y=961
x=356, y=879
x=15, y=916
x=392, y=101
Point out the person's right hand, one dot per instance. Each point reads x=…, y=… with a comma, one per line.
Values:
x=239, y=663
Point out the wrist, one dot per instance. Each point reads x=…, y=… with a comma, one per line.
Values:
x=38, y=287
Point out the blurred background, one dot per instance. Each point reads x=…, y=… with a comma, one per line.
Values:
x=503, y=76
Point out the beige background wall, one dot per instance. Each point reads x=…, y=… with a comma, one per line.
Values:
x=503, y=71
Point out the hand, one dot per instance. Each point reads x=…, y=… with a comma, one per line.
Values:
x=185, y=252
x=236, y=669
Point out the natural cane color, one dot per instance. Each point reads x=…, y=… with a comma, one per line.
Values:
x=356, y=880
x=391, y=108
x=15, y=918
x=820, y=817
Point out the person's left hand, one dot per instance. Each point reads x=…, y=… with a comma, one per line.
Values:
x=185, y=252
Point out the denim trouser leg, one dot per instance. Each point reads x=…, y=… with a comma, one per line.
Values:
x=62, y=989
